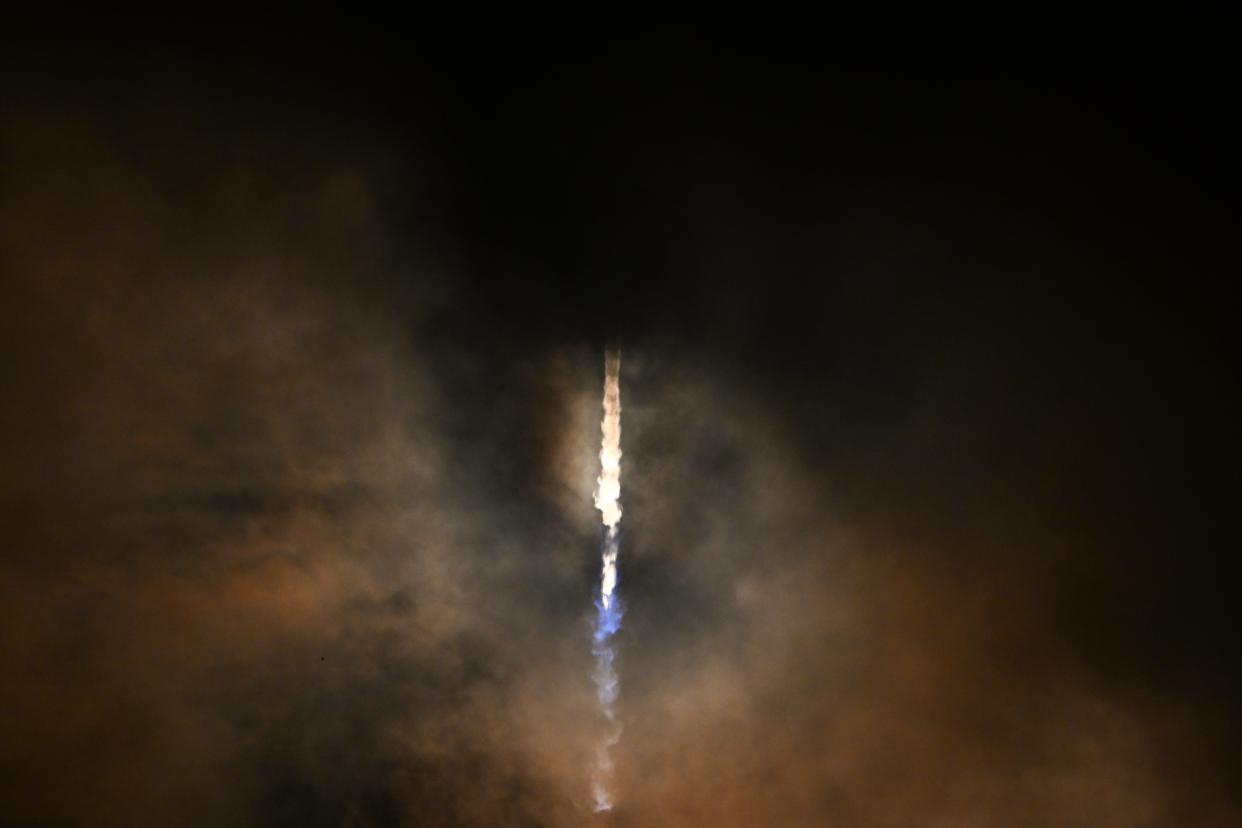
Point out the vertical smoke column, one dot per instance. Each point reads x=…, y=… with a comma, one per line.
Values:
x=607, y=603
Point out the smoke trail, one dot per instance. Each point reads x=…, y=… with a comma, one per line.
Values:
x=607, y=603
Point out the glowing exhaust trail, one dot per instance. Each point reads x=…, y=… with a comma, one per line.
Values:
x=607, y=603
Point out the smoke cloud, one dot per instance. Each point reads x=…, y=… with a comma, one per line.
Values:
x=297, y=473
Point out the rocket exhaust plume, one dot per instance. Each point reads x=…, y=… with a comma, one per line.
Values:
x=607, y=603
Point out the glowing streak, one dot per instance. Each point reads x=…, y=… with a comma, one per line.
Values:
x=608, y=487
x=608, y=605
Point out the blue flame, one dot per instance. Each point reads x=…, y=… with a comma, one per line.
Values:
x=609, y=612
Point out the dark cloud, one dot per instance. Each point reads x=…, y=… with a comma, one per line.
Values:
x=928, y=416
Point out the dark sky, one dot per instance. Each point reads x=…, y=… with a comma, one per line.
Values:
x=930, y=410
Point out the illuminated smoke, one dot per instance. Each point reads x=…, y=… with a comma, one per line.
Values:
x=607, y=603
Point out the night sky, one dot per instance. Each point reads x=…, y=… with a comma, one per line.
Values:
x=930, y=429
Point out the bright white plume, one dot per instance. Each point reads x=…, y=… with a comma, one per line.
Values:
x=608, y=606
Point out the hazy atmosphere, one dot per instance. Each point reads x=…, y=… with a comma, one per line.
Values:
x=929, y=428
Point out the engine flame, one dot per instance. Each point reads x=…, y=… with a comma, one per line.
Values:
x=609, y=609
x=608, y=486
